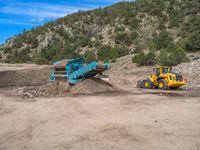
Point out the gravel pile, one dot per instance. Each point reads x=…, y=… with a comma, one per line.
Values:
x=53, y=89
x=59, y=89
x=191, y=72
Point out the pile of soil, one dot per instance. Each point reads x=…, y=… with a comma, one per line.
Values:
x=58, y=89
x=92, y=86
x=191, y=72
x=62, y=63
x=33, y=76
x=124, y=72
x=52, y=89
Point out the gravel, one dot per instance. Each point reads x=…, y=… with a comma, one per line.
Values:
x=191, y=72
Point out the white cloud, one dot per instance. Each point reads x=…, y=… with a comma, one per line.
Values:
x=36, y=12
x=11, y=21
x=40, y=11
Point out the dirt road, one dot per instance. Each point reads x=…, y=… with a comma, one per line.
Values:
x=136, y=120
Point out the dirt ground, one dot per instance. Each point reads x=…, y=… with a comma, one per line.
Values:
x=98, y=116
x=131, y=120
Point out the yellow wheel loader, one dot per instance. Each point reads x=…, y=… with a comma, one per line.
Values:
x=162, y=78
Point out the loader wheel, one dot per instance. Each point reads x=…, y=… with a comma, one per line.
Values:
x=162, y=84
x=174, y=88
x=147, y=84
x=140, y=84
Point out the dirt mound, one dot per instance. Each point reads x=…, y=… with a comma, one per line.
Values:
x=33, y=76
x=124, y=72
x=62, y=63
x=191, y=72
x=92, y=86
x=53, y=89
x=58, y=89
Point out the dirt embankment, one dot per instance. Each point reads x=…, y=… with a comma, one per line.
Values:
x=33, y=80
x=57, y=89
x=191, y=72
x=24, y=75
x=124, y=72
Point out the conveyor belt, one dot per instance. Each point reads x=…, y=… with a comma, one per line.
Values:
x=75, y=71
x=60, y=72
x=99, y=69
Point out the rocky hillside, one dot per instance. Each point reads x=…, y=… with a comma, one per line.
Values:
x=111, y=32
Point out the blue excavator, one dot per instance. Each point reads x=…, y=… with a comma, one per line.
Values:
x=75, y=70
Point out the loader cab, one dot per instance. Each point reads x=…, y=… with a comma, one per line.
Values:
x=156, y=71
x=161, y=70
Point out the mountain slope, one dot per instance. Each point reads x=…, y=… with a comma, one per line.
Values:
x=110, y=32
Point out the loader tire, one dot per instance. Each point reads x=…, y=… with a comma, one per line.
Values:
x=174, y=88
x=140, y=84
x=147, y=84
x=162, y=84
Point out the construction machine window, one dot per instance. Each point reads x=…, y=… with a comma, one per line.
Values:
x=165, y=70
x=157, y=71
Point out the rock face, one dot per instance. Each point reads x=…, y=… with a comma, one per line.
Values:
x=191, y=72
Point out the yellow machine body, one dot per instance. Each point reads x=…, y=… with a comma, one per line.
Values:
x=164, y=78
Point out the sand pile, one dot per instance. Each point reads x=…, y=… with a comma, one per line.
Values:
x=33, y=76
x=58, y=89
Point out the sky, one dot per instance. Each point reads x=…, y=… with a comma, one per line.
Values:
x=19, y=15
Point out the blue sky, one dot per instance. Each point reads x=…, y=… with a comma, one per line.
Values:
x=17, y=15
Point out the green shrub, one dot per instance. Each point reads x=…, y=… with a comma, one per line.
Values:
x=8, y=50
x=179, y=56
x=89, y=56
x=134, y=35
x=84, y=41
x=119, y=29
x=162, y=40
x=123, y=38
x=107, y=52
x=150, y=58
x=17, y=43
x=39, y=60
x=174, y=58
x=193, y=43
x=139, y=58
x=35, y=43
x=134, y=24
x=164, y=58
x=90, y=44
x=99, y=36
x=19, y=57
x=146, y=60
x=122, y=51
x=97, y=43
